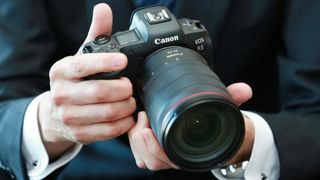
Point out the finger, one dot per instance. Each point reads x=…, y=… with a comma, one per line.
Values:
x=78, y=67
x=151, y=159
x=140, y=146
x=97, y=113
x=101, y=21
x=143, y=121
x=91, y=92
x=101, y=131
x=132, y=140
x=240, y=92
x=135, y=138
x=155, y=148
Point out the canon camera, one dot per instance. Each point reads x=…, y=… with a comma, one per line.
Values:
x=190, y=111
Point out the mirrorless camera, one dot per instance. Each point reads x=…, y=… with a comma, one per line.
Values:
x=189, y=109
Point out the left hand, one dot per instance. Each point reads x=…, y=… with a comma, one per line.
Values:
x=145, y=147
x=149, y=154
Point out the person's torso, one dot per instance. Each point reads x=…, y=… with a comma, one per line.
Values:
x=245, y=37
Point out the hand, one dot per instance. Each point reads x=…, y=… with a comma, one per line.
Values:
x=148, y=153
x=77, y=111
x=241, y=93
x=146, y=149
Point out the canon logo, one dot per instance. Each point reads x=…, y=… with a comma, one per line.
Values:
x=166, y=40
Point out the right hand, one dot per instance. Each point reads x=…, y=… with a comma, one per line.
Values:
x=77, y=111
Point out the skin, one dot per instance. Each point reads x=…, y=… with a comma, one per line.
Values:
x=76, y=111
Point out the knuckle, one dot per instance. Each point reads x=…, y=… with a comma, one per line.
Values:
x=141, y=164
x=79, y=135
x=67, y=117
x=129, y=123
x=98, y=96
x=54, y=71
x=129, y=87
x=76, y=66
x=114, y=132
x=109, y=114
x=56, y=68
x=95, y=91
x=154, y=165
x=58, y=96
x=133, y=104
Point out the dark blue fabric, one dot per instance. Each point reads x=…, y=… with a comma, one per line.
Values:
x=169, y=3
x=111, y=159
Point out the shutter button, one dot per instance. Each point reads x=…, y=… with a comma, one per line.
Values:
x=102, y=39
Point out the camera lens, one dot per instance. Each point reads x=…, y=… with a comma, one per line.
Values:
x=202, y=133
x=189, y=109
x=196, y=133
x=195, y=130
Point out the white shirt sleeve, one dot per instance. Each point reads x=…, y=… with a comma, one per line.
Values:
x=264, y=161
x=33, y=150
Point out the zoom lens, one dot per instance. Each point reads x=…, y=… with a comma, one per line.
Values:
x=196, y=133
x=195, y=130
x=202, y=133
x=189, y=109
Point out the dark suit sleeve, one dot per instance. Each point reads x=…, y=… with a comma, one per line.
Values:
x=297, y=128
x=26, y=46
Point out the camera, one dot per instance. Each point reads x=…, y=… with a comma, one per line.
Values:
x=190, y=111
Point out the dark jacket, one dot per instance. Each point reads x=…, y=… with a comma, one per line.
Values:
x=271, y=45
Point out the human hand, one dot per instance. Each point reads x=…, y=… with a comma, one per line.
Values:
x=146, y=149
x=149, y=154
x=241, y=93
x=77, y=111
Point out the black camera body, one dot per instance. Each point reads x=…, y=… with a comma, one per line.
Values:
x=190, y=110
x=152, y=29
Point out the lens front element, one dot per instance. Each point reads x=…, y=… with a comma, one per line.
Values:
x=196, y=133
x=203, y=133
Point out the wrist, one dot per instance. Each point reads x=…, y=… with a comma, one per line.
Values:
x=53, y=141
x=244, y=152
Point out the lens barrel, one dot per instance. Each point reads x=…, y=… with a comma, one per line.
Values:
x=189, y=108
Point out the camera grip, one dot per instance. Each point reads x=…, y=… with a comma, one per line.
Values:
x=102, y=43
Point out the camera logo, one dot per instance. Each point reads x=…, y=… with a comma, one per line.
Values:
x=166, y=40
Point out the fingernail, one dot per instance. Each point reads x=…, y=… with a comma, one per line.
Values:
x=95, y=7
x=173, y=165
x=94, y=12
x=118, y=61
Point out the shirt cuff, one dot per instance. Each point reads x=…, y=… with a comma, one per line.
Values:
x=33, y=150
x=264, y=161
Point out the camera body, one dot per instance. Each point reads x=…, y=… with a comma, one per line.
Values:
x=151, y=29
x=190, y=110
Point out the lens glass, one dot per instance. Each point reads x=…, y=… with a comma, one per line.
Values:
x=197, y=128
x=201, y=132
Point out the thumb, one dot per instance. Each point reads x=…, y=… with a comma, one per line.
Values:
x=240, y=92
x=101, y=21
x=143, y=121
